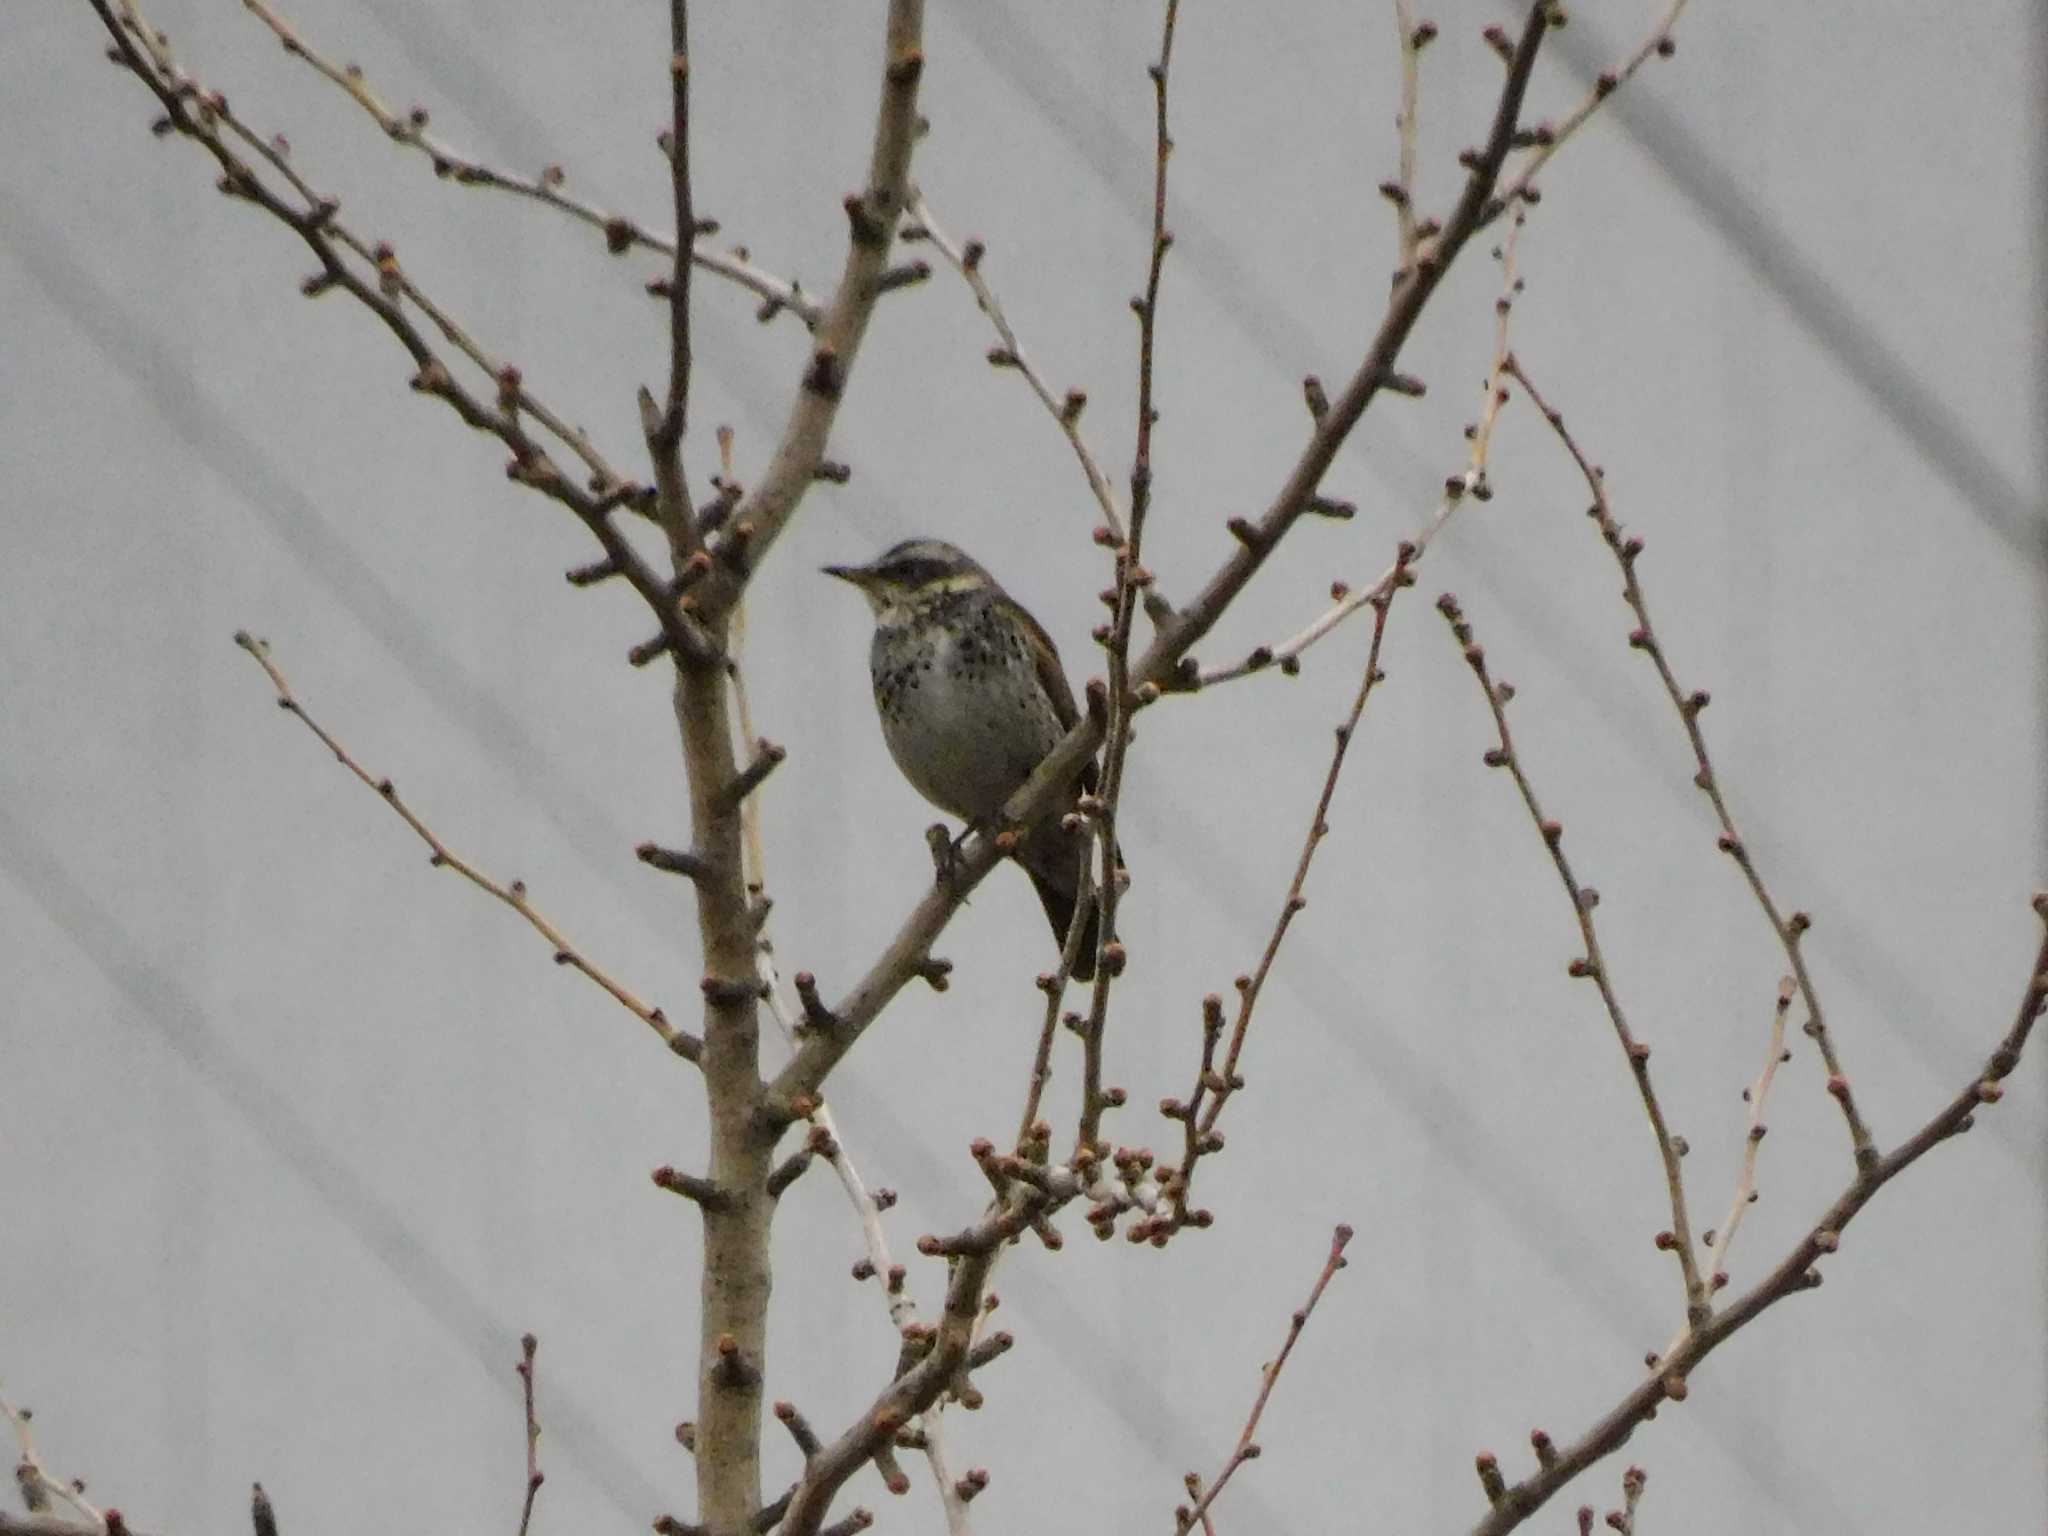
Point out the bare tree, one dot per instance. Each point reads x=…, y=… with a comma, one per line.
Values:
x=689, y=546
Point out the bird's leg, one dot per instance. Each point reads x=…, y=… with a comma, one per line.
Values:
x=945, y=852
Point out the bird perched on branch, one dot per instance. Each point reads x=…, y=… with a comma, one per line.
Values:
x=972, y=697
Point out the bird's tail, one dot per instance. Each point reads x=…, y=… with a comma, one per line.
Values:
x=1052, y=857
x=1060, y=898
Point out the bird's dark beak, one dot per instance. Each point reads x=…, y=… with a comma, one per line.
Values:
x=857, y=574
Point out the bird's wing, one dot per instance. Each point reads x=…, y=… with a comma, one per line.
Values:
x=1052, y=676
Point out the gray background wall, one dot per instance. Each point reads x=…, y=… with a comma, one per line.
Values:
x=299, y=1137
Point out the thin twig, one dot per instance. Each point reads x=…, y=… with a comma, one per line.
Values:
x=664, y=432
x=1054, y=985
x=512, y=895
x=1789, y=930
x=1717, y=1242
x=1065, y=410
x=1434, y=247
x=409, y=130
x=528, y=1344
x=1592, y=965
x=1132, y=580
x=1247, y=1446
x=1402, y=191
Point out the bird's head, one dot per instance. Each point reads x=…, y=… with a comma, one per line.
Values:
x=913, y=575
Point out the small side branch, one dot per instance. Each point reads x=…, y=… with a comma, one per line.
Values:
x=672, y=861
x=1187, y=1517
x=767, y=757
x=1755, y=1096
x=512, y=894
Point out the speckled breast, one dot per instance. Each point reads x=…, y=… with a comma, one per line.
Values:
x=962, y=710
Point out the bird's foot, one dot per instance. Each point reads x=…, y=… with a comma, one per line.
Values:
x=945, y=852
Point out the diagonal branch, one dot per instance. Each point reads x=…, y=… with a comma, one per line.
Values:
x=512, y=894
x=621, y=234
x=948, y=1349
x=201, y=115
x=1755, y=1096
x=1066, y=410
x=936, y=1360
x=1247, y=1447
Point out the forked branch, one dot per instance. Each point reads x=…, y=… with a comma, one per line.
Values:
x=872, y=214
x=1592, y=965
x=1789, y=929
